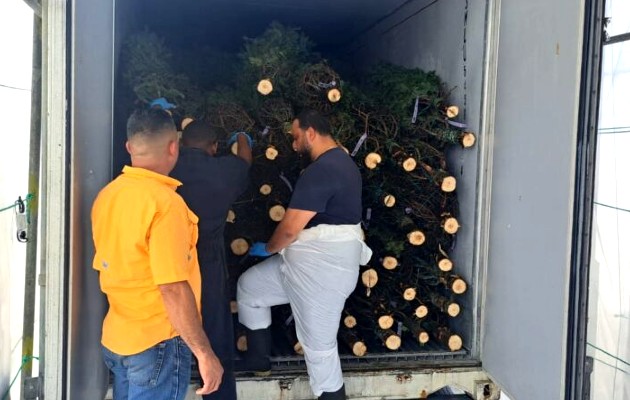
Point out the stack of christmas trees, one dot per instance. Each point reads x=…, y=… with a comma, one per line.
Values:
x=396, y=124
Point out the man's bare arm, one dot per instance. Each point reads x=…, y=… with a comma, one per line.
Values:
x=244, y=151
x=181, y=307
x=287, y=231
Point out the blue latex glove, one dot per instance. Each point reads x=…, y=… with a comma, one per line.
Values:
x=259, y=249
x=234, y=136
x=162, y=103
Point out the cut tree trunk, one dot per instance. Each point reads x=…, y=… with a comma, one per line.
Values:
x=455, y=283
x=352, y=340
x=385, y=321
x=349, y=321
x=448, y=185
x=271, y=153
x=372, y=160
x=416, y=238
x=369, y=278
x=241, y=339
x=334, y=95
x=445, y=265
x=185, y=122
x=389, y=200
x=265, y=189
x=416, y=329
x=276, y=213
x=403, y=159
x=409, y=293
x=449, y=339
x=445, y=305
x=452, y=111
x=467, y=139
x=421, y=311
x=390, y=263
x=239, y=246
x=264, y=87
x=389, y=338
x=450, y=225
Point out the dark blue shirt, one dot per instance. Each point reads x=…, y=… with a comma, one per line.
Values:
x=330, y=186
x=210, y=186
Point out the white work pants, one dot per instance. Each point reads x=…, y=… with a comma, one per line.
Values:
x=315, y=274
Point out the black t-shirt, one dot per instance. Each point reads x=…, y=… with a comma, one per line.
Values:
x=210, y=186
x=330, y=186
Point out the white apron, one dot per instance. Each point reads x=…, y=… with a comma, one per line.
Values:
x=315, y=274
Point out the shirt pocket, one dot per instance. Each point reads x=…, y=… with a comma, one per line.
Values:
x=193, y=224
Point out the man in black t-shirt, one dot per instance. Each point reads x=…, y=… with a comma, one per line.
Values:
x=210, y=185
x=320, y=247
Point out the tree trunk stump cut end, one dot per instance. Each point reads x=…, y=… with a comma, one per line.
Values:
x=452, y=111
x=448, y=184
x=389, y=200
x=416, y=238
x=349, y=321
x=372, y=160
x=459, y=286
x=241, y=343
x=276, y=213
x=185, y=122
x=369, y=278
x=239, y=246
x=451, y=225
x=271, y=153
x=455, y=343
x=390, y=263
x=385, y=321
x=265, y=189
x=231, y=217
x=453, y=309
x=468, y=139
x=423, y=337
x=393, y=342
x=445, y=265
x=422, y=311
x=409, y=164
x=264, y=87
x=334, y=95
x=359, y=349
x=409, y=294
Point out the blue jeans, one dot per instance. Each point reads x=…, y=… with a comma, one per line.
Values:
x=161, y=372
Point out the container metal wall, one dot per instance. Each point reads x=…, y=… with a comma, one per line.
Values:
x=91, y=132
x=536, y=119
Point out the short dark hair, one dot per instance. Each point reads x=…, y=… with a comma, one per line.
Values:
x=150, y=122
x=199, y=133
x=313, y=119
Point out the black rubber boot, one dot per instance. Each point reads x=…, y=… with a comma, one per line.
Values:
x=338, y=395
x=258, y=352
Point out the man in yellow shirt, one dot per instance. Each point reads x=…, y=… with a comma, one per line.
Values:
x=145, y=239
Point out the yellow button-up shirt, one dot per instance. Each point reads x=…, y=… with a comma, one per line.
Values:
x=144, y=236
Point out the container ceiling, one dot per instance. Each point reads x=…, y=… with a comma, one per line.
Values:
x=225, y=22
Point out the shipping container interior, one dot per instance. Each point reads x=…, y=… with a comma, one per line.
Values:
x=443, y=36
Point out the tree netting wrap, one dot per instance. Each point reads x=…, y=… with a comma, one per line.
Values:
x=395, y=122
